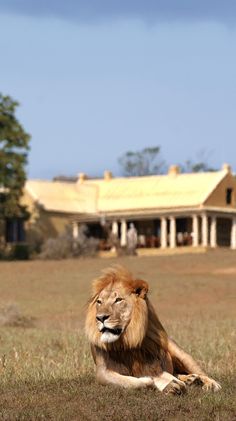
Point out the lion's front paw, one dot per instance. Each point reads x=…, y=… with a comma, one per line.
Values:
x=210, y=384
x=191, y=379
x=175, y=387
x=199, y=380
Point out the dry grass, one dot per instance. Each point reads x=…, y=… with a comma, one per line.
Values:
x=10, y=315
x=47, y=372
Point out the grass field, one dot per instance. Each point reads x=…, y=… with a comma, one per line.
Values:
x=46, y=369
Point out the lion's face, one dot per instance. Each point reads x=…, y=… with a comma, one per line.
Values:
x=117, y=312
x=114, y=306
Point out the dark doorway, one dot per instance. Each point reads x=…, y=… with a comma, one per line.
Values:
x=183, y=231
x=96, y=230
x=224, y=232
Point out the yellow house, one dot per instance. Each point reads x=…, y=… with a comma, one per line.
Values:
x=167, y=210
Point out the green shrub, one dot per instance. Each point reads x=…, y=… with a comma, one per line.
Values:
x=20, y=251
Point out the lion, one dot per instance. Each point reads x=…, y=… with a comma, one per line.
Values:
x=129, y=345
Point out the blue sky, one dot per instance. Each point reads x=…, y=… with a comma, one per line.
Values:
x=94, y=82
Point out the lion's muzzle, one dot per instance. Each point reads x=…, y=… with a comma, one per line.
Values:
x=102, y=317
x=108, y=333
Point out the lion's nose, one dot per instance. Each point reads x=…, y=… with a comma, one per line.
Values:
x=102, y=317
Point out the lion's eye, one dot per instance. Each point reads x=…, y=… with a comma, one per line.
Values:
x=118, y=300
x=99, y=301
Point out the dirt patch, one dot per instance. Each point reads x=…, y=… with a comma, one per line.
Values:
x=225, y=271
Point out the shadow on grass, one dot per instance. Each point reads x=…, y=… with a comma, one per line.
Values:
x=82, y=399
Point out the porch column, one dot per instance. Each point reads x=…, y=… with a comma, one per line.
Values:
x=213, y=232
x=123, y=237
x=195, y=231
x=233, y=234
x=115, y=228
x=163, y=233
x=172, y=232
x=204, y=230
x=75, y=230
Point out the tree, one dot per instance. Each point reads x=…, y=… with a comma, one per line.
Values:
x=14, y=145
x=200, y=164
x=140, y=163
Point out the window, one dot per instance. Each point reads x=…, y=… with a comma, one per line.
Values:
x=15, y=230
x=229, y=195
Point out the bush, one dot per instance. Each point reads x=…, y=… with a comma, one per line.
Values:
x=55, y=248
x=20, y=251
x=2, y=253
x=15, y=251
x=34, y=239
x=84, y=245
x=65, y=246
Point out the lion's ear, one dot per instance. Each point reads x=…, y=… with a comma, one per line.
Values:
x=141, y=288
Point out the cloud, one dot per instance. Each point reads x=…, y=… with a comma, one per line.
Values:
x=89, y=11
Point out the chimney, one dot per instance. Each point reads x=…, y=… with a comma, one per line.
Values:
x=226, y=167
x=82, y=177
x=107, y=175
x=174, y=170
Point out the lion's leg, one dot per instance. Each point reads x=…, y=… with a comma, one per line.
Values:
x=105, y=376
x=188, y=370
x=169, y=384
x=183, y=362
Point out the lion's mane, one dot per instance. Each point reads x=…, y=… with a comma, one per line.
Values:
x=144, y=332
